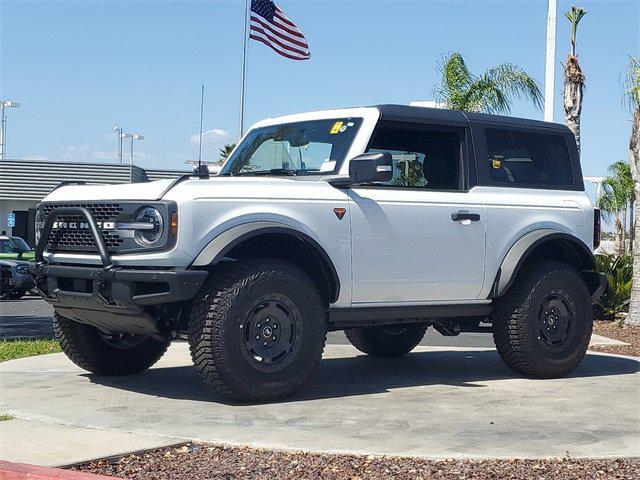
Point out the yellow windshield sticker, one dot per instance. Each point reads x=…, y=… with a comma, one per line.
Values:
x=496, y=163
x=336, y=128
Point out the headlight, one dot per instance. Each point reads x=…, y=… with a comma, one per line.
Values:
x=151, y=234
x=39, y=224
x=22, y=269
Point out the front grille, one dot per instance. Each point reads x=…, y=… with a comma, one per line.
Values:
x=81, y=240
x=102, y=212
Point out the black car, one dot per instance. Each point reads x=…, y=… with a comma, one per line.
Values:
x=15, y=279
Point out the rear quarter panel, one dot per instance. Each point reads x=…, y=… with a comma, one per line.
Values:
x=513, y=212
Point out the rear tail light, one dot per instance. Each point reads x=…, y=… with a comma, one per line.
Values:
x=596, y=228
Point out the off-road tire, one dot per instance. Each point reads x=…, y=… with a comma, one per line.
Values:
x=13, y=295
x=86, y=347
x=386, y=341
x=217, y=330
x=518, y=320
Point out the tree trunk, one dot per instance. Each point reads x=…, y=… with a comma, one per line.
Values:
x=634, y=162
x=632, y=226
x=617, y=244
x=573, y=89
x=624, y=230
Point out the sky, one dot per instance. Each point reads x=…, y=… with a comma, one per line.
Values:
x=79, y=68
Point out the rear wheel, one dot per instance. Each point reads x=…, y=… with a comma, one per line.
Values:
x=97, y=352
x=542, y=325
x=386, y=340
x=257, y=330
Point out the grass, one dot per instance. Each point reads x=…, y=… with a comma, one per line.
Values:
x=12, y=349
x=5, y=416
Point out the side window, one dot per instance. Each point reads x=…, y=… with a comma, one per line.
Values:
x=528, y=158
x=422, y=158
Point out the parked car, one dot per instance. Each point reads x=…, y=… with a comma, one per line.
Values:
x=15, y=248
x=380, y=221
x=15, y=279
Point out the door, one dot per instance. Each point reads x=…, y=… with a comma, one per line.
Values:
x=421, y=236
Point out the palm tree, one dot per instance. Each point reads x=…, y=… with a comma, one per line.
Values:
x=610, y=205
x=573, y=77
x=632, y=97
x=491, y=92
x=225, y=152
x=617, y=194
x=621, y=171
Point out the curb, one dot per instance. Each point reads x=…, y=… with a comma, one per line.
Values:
x=21, y=471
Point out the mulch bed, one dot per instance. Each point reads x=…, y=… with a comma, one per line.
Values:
x=200, y=461
x=620, y=331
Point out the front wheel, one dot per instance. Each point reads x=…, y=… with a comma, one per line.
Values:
x=542, y=325
x=257, y=330
x=97, y=352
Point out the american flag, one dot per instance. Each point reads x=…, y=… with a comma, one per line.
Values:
x=271, y=26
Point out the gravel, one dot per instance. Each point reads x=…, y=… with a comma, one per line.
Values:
x=620, y=331
x=201, y=461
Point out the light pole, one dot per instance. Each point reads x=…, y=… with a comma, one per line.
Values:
x=118, y=131
x=132, y=136
x=3, y=131
x=549, y=80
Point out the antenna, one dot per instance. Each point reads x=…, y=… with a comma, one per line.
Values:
x=201, y=171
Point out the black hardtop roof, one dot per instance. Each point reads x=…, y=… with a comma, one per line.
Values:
x=409, y=113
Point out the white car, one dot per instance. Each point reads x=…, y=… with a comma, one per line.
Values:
x=380, y=221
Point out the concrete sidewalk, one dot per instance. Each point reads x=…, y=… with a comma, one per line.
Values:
x=436, y=402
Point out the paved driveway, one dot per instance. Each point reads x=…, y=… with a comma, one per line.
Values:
x=435, y=402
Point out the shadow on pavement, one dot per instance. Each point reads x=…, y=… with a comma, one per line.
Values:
x=363, y=375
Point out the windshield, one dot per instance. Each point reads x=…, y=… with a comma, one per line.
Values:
x=312, y=147
x=20, y=243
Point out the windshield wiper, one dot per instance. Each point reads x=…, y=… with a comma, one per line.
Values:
x=273, y=171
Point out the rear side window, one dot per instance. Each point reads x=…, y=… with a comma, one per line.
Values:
x=528, y=159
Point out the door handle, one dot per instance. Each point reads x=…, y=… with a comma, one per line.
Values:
x=462, y=215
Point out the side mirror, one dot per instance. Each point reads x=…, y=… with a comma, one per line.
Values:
x=366, y=168
x=371, y=167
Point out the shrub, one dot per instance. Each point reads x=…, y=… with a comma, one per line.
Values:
x=616, y=297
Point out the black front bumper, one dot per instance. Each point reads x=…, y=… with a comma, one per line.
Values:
x=110, y=297
x=115, y=299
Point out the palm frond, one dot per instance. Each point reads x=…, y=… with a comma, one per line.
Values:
x=455, y=80
x=487, y=97
x=494, y=91
x=631, y=84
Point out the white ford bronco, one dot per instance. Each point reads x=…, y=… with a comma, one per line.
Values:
x=380, y=221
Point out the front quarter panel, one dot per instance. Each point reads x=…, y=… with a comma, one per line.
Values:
x=236, y=206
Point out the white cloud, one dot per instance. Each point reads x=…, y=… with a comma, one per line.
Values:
x=36, y=157
x=215, y=136
x=73, y=150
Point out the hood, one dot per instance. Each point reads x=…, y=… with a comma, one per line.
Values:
x=125, y=191
x=256, y=188
x=12, y=263
x=303, y=187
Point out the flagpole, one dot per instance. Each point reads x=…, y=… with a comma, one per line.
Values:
x=244, y=68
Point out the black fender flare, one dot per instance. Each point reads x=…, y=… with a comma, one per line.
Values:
x=526, y=245
x=255, y=229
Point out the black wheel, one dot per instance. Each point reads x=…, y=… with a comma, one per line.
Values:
x=386, y=340
x=117, y=354
x=542, y=326
x=257, y=330
x=13, y=295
